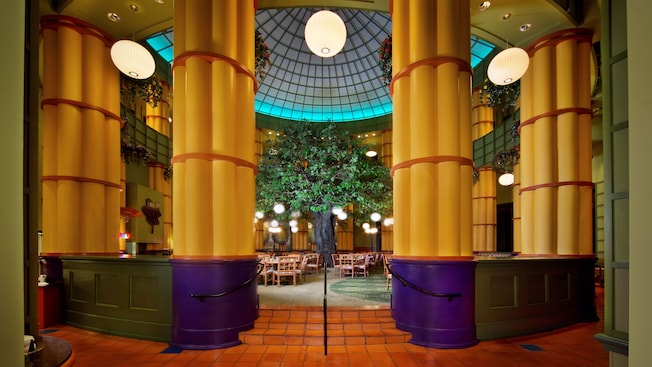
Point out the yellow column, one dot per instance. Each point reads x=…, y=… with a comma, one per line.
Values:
x=556, y=182
x=484, y=210
x=158, y=182
x=387, y=232
x=259, y=240
x=482, y=116
x=300, y=239
x=344, y=236
x=386, y=149
x=158, y=117
x=400, y=89
x=484, y=189
x=516, y=195
x=214, y=157
x=81, y=139
x=432, y=128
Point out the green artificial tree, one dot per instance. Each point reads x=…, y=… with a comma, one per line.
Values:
x=311, y=168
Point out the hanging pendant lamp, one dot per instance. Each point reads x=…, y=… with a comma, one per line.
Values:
x=132, y=59
x=509, y=65
x=506, y=179
x=325, y=33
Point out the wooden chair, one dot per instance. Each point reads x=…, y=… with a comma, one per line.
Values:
x=267, y=273
x=361, y=265
x=347, y=263
x=336, y=263
x=302, y=269
x=286, y=267
x=314, y=262
x=388, y=275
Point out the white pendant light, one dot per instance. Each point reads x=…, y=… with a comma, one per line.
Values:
x=325, y=33
x=509, y=65
x=506, y=179
x=132, y=59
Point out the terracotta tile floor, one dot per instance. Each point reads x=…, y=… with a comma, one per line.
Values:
x=569, y=346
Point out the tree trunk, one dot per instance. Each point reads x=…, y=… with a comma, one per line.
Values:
x=325, y=236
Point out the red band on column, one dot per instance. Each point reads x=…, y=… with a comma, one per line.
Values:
x=214, y=157
x=431, y=61
x=483, y=122
x=578, y=34
x=81, y=179
x=434, y=159
x=82, y=27
x=578, y=110
x=56, y=101
x=557, y=184
x=210, y=57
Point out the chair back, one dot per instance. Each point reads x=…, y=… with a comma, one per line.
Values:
x=287, y=264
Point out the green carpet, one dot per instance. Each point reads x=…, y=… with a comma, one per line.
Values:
x=372, y=288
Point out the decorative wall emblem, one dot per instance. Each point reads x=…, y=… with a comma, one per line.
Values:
x=152, y=212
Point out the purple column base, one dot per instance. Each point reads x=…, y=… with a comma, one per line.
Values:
x=435, y=322
x=216, y=322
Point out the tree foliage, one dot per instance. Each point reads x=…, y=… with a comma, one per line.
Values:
x=313, y=167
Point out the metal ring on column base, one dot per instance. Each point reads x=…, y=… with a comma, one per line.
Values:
x=435, y=322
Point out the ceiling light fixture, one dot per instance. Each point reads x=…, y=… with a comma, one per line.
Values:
x=325, y=33
x=132, y=58
x=509, y=65
x=485, y=5
x=113, y=17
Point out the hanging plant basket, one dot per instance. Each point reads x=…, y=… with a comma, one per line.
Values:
x=262, y=61
x=502, y=96
x=149, y=90
x=131, y=151
x=385, y=60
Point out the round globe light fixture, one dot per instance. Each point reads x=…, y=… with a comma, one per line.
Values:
x=325, y=33
x=375, y=217
x=132, y=59
x=506, y=179
x=279, y=208
x=342, y=215
x=508, y=66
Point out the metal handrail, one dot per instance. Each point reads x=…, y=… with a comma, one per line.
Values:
x=202, y=297
x=407, y=283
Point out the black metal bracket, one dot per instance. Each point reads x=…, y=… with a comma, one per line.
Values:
x=202, y=297
x=407, y=283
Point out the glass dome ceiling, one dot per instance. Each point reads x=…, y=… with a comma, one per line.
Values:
x=302, y=86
